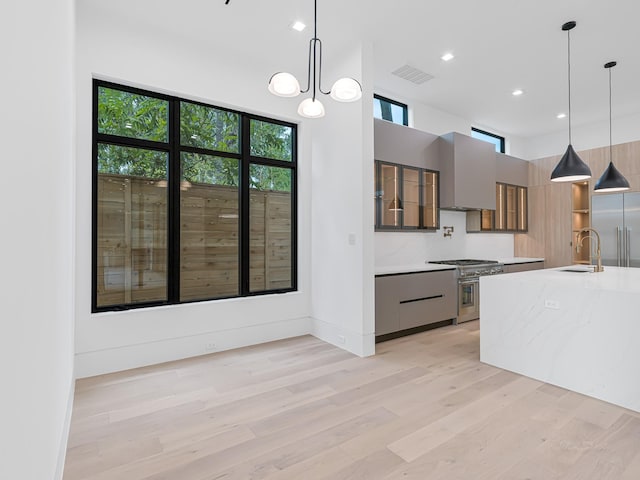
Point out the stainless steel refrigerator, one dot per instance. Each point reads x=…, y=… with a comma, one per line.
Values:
x=616, y=217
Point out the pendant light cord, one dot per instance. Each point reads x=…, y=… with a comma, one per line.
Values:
x=315, y=56
x=319, y=42
x=610, y=134
x=569, y=77
x=315, y=46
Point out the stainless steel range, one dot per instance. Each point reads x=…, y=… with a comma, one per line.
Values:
x=469, y=272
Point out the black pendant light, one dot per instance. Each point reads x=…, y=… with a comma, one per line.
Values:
x=611, y=180
x=571, y=168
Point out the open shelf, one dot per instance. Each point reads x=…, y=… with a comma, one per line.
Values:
x=580, y=218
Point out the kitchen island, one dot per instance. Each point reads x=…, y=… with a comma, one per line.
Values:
x=574, y=329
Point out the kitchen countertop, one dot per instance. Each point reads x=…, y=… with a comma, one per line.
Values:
x=580, y=277
x=415, y=268
x=514, y=260
x=575, y=330
x=432, y=267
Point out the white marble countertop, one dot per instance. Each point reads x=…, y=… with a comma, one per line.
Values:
x=617, y=279
x=514, y=260
x=574, y=329
x=415, y=268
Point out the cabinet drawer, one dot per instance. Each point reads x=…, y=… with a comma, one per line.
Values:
x=428, y=284
x=428, y=310
x=412, y=300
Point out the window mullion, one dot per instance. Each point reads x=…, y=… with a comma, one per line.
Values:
x=173, y=216
x=245, y=199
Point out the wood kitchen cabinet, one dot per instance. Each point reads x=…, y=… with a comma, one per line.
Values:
x=556, y=211
x=406, y=302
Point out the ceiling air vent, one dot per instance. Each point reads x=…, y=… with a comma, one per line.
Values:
x=412, y=74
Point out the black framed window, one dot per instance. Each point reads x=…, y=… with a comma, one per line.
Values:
x=390, y=110
x=496, y=140
x=191, y=201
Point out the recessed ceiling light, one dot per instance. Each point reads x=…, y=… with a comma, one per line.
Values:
x=447, y=56
x=299, y=26
x=517, y=92
x=561, y=115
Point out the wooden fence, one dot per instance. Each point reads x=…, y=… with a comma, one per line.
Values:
x=132, y=240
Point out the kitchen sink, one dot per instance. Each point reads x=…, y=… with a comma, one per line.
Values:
x=575, y=270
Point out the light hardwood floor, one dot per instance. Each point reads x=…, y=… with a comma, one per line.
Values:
x=423, y=408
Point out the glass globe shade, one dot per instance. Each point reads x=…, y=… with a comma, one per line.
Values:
x=346, y=90
x=284, y=84
x=310, y=108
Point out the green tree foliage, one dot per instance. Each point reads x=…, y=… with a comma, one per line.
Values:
x=136, y=162
x=262, y=177
x=137, y=116
x=208, y=127
x=271, y=140
x=131, y=115
x=199, y=168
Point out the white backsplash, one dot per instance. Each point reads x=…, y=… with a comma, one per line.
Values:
x=408, y=248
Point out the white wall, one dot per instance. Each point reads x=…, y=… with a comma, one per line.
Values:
x=36, y=353
x=141, y=56
x=342, y=217
x=429, y=119
x=408, y=248
x=584, y=137
x=111, y=48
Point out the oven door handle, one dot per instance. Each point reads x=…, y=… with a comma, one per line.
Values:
x=467, y=282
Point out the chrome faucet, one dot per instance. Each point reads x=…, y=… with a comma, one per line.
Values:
x=580, y=238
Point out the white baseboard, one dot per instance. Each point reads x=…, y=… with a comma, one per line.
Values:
x=354, y=342
x=62, y=452
x=111, y=360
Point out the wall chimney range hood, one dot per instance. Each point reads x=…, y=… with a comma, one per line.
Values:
x=467, y=173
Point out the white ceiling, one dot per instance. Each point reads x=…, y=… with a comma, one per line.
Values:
x=499, y=45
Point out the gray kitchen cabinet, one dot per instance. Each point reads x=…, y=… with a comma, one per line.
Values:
x=467, y=173
x=412, y=300
x=511, y=170
x=406, y=198
x=510, y=214
x=523, y=267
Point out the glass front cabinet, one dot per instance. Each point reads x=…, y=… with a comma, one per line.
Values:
x=407, y=198
x=509, y=216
